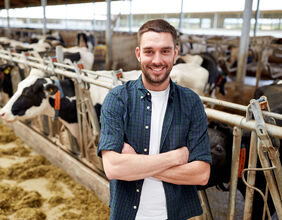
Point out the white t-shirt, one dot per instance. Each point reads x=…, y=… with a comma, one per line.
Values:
x=152, y=204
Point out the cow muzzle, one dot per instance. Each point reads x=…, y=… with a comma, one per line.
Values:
x=7, y=117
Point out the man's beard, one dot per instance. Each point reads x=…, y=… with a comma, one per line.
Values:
x=155, y=80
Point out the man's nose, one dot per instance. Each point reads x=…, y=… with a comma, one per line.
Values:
x=157, y=59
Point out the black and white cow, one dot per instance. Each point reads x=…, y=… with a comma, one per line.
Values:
x=77, y=55
x=35, y=96
x=53, y=39
x=11, y=75
x=86, y=39
x=216, y=77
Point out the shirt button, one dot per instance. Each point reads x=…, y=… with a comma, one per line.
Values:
x=137, y=190
x=135, y=207
x=146, y=126
x=141, y=97
x=148, y=107
x=145, y=149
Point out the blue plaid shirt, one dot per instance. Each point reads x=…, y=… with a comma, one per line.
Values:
x=126, y=117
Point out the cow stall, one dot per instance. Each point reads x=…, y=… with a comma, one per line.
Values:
x=87, y=165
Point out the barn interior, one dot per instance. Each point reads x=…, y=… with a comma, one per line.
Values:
x=244, y=53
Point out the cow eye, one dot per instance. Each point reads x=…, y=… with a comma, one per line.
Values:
x=219, y=148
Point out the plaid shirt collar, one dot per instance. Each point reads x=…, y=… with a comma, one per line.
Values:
x=145, y=92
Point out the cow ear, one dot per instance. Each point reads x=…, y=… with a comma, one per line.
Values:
x=51, y=89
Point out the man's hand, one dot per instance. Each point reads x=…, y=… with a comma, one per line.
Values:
x=127, y=149
x=181, y=155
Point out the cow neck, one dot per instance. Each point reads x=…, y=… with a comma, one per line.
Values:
x=59, y=94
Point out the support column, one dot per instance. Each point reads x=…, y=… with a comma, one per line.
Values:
x=215, y=18
x=130, y=16
x=44, y=29
x=109, y=36
x=244, y=44
x=93, y=22
x=7, y=6
x=257, y=17
x=181, y=17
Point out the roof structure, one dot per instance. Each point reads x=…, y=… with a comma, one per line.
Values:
x=33, y=3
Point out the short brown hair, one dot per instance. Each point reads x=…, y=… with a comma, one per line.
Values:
x=159, y=26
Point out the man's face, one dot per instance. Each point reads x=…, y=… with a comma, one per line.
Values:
x=156, y=55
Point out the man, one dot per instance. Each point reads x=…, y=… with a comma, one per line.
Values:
x=154, y=142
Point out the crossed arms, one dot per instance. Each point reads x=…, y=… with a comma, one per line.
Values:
x=171, y=167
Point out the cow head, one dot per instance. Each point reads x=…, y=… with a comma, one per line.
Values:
x=31, y=98
x=86, y=39
x=221, y=146
x=5, y=79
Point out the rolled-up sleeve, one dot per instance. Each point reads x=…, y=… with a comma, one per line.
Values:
x=198, y=139
x=112, y=124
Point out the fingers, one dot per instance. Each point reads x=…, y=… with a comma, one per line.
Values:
x=182, y=155
x=127, y=149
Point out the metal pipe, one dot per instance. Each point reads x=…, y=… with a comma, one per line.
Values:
x=181, y=17
x=130, y=16
x=103, y=73
x=259, y=66
x=7, y=6
x=109, y=36
x=237, y=136
x=43, y=3
x=240, y=121
x=215, y=18
x=47, y=68
x=93, y=22
x=244, y=42
x=237, y=106
x=257, y=17
x=251, y=177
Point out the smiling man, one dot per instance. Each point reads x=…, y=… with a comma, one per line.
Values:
x=154, y=142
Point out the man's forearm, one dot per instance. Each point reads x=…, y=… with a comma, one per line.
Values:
x=193, y=173
x=137, y=166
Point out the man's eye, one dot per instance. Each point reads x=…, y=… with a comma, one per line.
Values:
x=166, y=51
x=148, y=52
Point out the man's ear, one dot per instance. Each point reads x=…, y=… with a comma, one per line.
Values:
x=137, y=53
x=175, y=53
x=51, y=89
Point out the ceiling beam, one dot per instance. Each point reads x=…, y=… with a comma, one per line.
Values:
x=33, y=3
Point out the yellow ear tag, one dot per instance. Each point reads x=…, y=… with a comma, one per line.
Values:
x=51, y=90
x=7, y=70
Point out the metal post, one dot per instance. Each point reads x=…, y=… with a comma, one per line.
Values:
x=244, y=42
x=43, y=3
x=257, y=17
x=66, y=18
x=259, y=65
x=109, y=36
x=7, y=6
x=215, y=18
x=93, y=22
x=181, y=17
x=237, y=136
x=130, y=16
x=251, y=177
